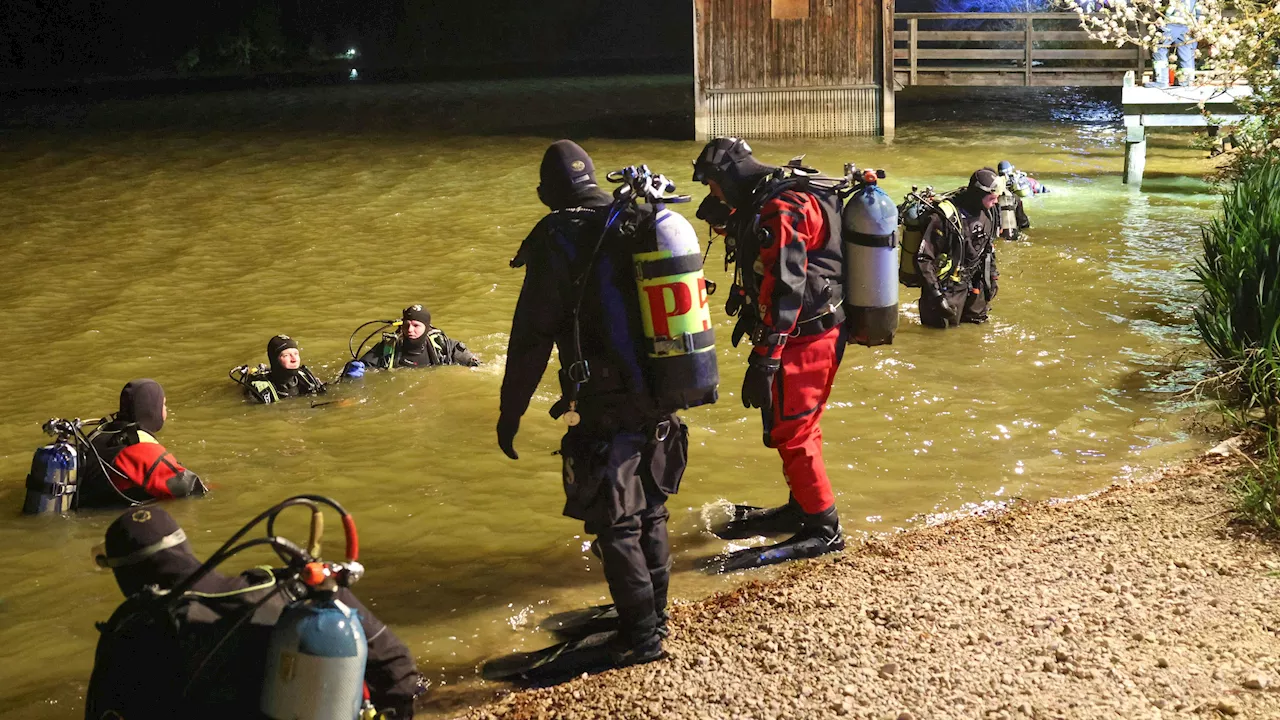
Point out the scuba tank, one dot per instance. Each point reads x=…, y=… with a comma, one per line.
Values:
x=315, y=661
x=318, y=650
x=675, y=316
x=53, y=482
x=914, y=214
x=1008, y=204
x=870, y=221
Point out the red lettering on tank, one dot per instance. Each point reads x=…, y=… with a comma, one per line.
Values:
x=681, y=303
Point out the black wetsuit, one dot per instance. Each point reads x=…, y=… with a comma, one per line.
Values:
x=627, y=455
x=144, y=670
x=968, y=277
x=439, y=349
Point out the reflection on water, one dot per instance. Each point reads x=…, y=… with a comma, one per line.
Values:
x=175, y=251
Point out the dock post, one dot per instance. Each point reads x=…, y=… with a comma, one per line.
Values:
x=1135, y=154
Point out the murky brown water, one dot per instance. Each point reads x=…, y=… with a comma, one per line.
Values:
x=175, y=251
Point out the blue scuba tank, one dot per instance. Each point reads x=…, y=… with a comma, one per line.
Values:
x=871, y=266
x=52, y=482
x=315, y=662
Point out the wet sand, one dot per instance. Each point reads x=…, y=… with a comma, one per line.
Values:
x=1144, y=600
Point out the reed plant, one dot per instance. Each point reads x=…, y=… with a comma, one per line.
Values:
x=1238, y=317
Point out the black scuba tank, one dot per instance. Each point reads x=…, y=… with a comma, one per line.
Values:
x=53, y=480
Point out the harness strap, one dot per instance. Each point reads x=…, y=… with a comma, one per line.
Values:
x=682, y=344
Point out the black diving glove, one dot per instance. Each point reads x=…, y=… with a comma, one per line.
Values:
x=757, y=386
x=945, y=305
x=507, y=429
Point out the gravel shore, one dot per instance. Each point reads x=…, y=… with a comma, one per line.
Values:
x=1142, y=601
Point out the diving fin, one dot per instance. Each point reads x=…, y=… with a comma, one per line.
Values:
x=750, y=521
x=576, y=624
x=820, y=534
x=565, y=661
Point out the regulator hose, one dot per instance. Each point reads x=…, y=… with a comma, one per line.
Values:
x=382, y=325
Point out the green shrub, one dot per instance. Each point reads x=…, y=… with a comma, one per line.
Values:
x=1238, y=315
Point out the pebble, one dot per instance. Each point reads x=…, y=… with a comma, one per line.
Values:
x=970, y=639
x=1257, y=681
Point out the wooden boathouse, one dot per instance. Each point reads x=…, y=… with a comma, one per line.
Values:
x=777, y=68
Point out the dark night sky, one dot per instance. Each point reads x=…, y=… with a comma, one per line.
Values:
x=105, y=37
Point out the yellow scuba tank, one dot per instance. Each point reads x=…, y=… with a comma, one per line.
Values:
x=914, y=215
x=675, y=315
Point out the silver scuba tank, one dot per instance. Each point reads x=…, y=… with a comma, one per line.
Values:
x=315, y=662
x=1008, y=217
x=871, y=266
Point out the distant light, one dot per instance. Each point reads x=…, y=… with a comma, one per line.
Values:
x=354, y=75
x=351, y=53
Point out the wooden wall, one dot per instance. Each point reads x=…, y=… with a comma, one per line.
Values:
x=748, y=46
x=742, y=47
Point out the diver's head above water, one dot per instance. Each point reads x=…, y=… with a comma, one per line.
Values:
x=282, y=352
x=567, y=178
x=417, y=320
x=727, y=166
x=982, y=193
x=142, y=403
x=145, y=546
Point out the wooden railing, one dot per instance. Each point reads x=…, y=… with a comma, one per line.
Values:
x=1045, y=49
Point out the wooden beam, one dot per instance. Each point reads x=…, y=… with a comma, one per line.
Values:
x=1135, y=155
x=888, y=107
x=988, y=16
x=701, y=72
x=1029, y=46
x=913, y=47
x=1063, y=36
x=969, y=35
x=967, y=54
x=1082, y=54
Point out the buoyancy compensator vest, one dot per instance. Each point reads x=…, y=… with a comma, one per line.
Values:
x=667, y=300
x=870, y=230
x=824, y=283
x=258, y=385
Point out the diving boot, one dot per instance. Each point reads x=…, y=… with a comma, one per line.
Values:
x=638, y=640
x=820, y=534
x=750, y=521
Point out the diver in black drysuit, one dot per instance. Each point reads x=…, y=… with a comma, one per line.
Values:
x=145, y=671
x=284, y=382
x=626, y=456
x=431, y=348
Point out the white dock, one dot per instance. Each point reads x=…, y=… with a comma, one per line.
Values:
x=1174, y=107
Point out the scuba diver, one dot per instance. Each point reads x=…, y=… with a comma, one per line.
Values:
x=178, y=648
x=285, y=377
x=123, y=462
x=785, y=236
x=956, y=260
x=593, y=267
x=1011, y=217
x=416, y=343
